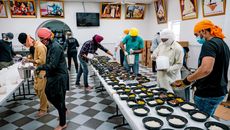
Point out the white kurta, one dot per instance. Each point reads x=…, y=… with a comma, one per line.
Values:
x=175, y=54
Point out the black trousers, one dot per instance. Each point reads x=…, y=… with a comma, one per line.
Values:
x=59, y=103
x=74, y=56
x=154, y=66
x=122, y=55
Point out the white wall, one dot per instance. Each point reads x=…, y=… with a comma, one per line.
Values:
x=110, y=29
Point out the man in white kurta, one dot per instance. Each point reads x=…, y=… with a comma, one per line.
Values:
x=174, y=51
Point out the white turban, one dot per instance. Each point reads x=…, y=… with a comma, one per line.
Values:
x=167, y=34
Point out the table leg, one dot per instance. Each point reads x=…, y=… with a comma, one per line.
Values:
x=115, y=115
x=123, y=123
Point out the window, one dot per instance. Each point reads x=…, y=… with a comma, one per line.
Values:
x=175, y=27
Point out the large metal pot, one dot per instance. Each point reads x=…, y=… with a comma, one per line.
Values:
x=24, y=73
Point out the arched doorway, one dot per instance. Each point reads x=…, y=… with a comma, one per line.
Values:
x=59, y=29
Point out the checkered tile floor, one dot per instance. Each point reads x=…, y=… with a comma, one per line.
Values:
x=88, y=111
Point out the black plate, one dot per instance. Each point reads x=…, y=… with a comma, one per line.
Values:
x=198, y=119
x=140, y=114
x=116, y=88
x=131, y=105
x=161, y=102
x=146, y=119
x=210, y=123
x=189, y=103
x=149, y=104
x=164, y=107
x=192, y=128
x=174, y=105
x=137, y=100
x=132, y=98
x=143, y=96
x=124, y=98
x=137, y=92
x=178, y=117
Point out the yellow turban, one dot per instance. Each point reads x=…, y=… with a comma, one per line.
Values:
x=206, y=24
x=133, y=32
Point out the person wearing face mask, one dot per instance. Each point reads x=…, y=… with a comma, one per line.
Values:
x=134, y=45
x=174, y=51
x=211, y=77
x=56, y=74
x=90, y=46
x=6, y=51
x=38, y=58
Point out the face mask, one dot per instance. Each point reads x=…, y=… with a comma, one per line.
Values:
x=200, y=40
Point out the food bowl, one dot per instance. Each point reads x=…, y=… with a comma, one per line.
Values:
x=123, y=96
x=140, y=111
x=193, y=128
x=187, y=106
x=142, y=95
x=132, y=96
x=198, y=116
x=131, y=103
x=211, y=125
x=177, y=121
x=152, y=123
x=175, y=102
x=164, y=110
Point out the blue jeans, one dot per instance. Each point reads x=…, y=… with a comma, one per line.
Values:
x=84, y=70
x=135, y=66
x=208, y=104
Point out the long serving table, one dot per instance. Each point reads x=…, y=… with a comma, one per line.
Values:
x=134, y=121
x=10, y=78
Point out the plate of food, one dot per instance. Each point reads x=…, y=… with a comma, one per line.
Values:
x=141, y=111
x=131, y=103
x=198, y=116
x=123, y=96
x=149, y=94
x=152, y=123
x=187, y=106
x=127, y=90
x=151, y=102
x=142, y=95
x=132, y=96
x=177, y=121
x=193, y=128
x=164, y=110
x=116, y=87
x=170, y=95
x=211, y=125
x=140, y=102
x=175, y=102
x=137, y=91
x=120, y=91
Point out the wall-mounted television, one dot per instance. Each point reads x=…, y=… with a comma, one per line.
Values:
x=87, y=19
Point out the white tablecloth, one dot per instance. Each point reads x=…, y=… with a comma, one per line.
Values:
x=9, y=77
x=134, y=121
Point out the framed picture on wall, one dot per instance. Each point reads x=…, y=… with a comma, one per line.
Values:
x=160, y=10
x=188, y=9
x=3, y=13
x=51, y=8
x=213, y=7
x=135, y=11
x=110, y=11
x=22, y=8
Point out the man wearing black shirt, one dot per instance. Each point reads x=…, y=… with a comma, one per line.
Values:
x=6, y=51
x=212, y=75
x=72, y=45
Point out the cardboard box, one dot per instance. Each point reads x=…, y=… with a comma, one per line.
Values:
x=184, y=43
x=222, y=112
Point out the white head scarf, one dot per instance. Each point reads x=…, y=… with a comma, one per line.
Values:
x=167, y=34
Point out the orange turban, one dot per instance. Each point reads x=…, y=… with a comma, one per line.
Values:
x=44, y=33
x=206, y=24
x=126, y=31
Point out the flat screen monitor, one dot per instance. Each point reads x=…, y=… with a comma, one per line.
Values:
x=88, y=19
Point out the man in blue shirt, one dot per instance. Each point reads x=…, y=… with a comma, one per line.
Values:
x=134, y=46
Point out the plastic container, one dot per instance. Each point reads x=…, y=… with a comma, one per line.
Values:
x=162, y=63
x=130, y=59
x=24, y=73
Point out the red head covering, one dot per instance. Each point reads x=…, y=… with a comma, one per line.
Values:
x=44, y=33
x=97, y=38
x=206, y=24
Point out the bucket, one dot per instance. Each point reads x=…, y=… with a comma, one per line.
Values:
x=24, y=73
x=130, y=59
x=162, y=63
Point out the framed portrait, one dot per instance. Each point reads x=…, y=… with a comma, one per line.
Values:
x=51, y=8
x=160, y=10
x=135, y=11
x=188, y=9
x=22, y=8
x=213, y=7
x=110, y=11
x=3, y=13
